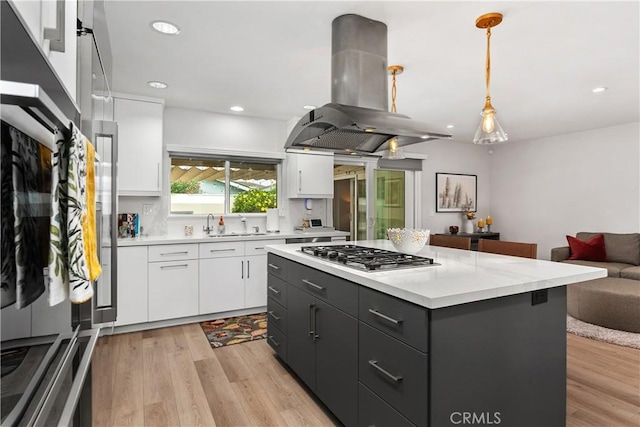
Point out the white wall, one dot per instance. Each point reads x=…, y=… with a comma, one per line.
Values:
x=544, y=189
x=452, y=157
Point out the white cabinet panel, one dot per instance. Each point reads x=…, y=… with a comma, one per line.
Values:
x=139, y=147
x=309, y=175
x=221, y=284
x=173, y=289
x=132, y=285
x=255, y=284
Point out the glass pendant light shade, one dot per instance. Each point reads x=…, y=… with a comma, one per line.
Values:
x=489, y=131
x=394, y=152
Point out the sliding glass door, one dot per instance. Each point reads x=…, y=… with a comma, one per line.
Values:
x=389, y=202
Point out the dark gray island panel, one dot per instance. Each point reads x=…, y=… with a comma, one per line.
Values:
x=502, y=358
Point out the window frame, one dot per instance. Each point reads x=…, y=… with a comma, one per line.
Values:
x=228, y=156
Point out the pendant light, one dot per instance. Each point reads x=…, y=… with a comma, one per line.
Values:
x=394, y=152
x=489, y=131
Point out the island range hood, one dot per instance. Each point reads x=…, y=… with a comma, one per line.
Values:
x=357, y=120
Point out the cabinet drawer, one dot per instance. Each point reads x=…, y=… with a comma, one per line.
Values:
x=395, y=372
x=400, y=319
x=173, y=252
x=277, y=289
x=337, y=292
x=279, y=266
x=373, y=411
x=278, y=342
x=276, y=315
x=257, y=247
x=221, y=250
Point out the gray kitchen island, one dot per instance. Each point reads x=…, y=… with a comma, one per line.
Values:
x=474, y=338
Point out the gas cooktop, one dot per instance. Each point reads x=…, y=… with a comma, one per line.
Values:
x=367, y=259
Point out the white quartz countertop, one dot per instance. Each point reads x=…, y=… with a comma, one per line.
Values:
x=199, y=237
x=462, y=276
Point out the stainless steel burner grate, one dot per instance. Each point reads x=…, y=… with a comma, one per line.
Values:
x=365, y=258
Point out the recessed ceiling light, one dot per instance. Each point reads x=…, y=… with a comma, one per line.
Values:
x=236, y=108
x=309, y=107
x=165, y=27
x=450, y=126
x=598, y=89
x=157, y=85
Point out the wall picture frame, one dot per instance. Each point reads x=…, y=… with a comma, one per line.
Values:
x=454, y=190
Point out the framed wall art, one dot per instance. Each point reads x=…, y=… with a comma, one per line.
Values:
x=456, y=192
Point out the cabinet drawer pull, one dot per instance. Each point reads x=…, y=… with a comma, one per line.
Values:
x=277, y=344
x=259, y=248
x=274, y=290
x=374, y=363
x=222, y=250
x=275, y=267
x=313, y=285
x=174, y=253
x=162, y=267
x=274, y=316
x=385, y=317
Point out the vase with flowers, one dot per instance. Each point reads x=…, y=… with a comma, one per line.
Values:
x=468, y=216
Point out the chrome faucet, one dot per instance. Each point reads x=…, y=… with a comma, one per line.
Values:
x=208, y=228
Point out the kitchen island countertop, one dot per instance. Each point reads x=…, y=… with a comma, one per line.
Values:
x=461, y=276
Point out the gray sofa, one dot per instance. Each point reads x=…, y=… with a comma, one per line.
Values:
x=613, y=301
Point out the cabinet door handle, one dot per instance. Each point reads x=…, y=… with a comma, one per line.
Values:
x=299, y=181
x=313, y=285
x=385, y=317
x=248, y=269
x=56, y=35
x=259, y=248
x=174, y=253
x=277, y=344
x=314, y=322
x=274, y=290
x=311, y=320
x=395, y=378
x=222, y=250
x=274, y=316
x=242, y=269
x=275, y=267
x=162, y=267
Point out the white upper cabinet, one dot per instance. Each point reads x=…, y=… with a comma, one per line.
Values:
x=42, y=20
x=310, y=175
x=139, y=146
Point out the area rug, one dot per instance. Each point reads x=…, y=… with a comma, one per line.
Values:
x=235, y=330
x=612, y=336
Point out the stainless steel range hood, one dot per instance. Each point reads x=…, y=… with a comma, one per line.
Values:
x=357, y=119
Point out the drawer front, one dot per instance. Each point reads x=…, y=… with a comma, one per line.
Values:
x=173, y=252
x=257, y=247
x=373, y=411
x=400, y=319
x=278, y=341
x=277, y=289
x=338, y=292
x=276, y=315
x=395, y=372
x=278, y=266
x=221, y=250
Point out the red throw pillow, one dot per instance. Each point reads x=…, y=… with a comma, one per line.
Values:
x=590, y=250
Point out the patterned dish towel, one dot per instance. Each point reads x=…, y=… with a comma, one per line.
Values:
x=70, y=274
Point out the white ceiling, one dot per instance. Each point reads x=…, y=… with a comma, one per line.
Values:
x=274, y=57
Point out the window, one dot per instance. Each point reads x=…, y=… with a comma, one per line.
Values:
x=202, y=185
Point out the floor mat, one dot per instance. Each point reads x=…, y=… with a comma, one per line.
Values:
x=235, y=330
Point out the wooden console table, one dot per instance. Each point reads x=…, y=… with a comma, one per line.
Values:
x=475, y=237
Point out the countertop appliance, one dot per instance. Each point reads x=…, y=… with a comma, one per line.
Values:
x=358, y=118
x=367, y=259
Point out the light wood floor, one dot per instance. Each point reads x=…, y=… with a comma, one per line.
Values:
x=172, y=377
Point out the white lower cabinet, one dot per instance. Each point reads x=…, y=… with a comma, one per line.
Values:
x=132, y=285
x=255, y=283
x=173, y=281
x=221, y=284
x=173, y=289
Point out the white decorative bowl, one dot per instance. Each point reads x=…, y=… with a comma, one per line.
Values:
x=408, y=240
